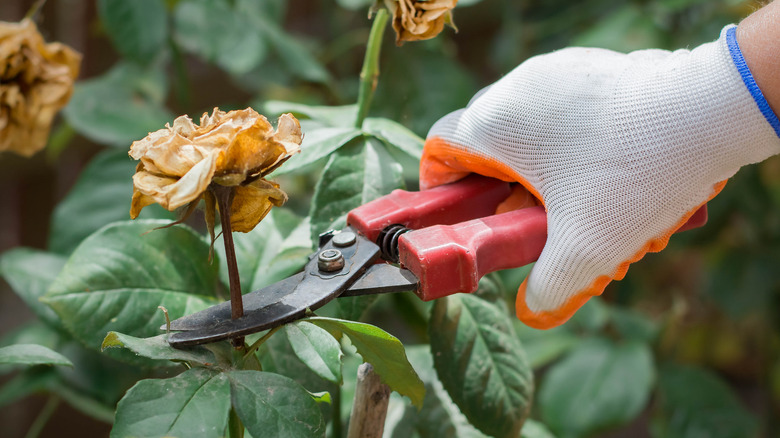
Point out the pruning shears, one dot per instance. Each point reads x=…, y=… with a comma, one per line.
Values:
x=435, y=243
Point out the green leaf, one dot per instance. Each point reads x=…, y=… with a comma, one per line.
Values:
x=535, y=429
x=331, y=116
x=316, y=348
x=89, y=316
x=139, y=255
x=600, y=384
x=278, y=247
x=355, y=4
x=352, y=178
x=33, y=332
x=395, y=134
x=219, y=33
x=591, y=318
x=100, y=196
x=273, y=405
x=491, y=289
x=321, y=397
x=695, y=403
x=338, y=191
x=30, y=272
x=353, y=308
x=481, y=363
x=116, y=279
x=623, y=29
x=750, y=271
x=32, y=354
x=138, y=29
x=544, y=346
x=123, y=105
x=401, y=419
x=634, y=326
x=157, y=347
x=439, y=416
x=96, y=382
x=382, y=350
x=382, y=172
x=318, y=144
x=194, y=403
x=296, y=57
x=277, y=356
x=437, y=77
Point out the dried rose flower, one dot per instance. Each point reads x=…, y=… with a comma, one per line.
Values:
x=235, y=149
x=36, y=81
x=415, y=20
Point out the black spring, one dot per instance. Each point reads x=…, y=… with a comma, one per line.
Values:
x=388, y=241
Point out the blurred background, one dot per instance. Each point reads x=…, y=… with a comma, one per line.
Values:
x=712, y=299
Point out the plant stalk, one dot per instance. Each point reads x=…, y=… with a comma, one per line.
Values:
x=335, y=415
x=369, y=408
x=252, y=348
x=58, y=141
x=43, y=417
x=369, y=74
x=235, y=426
x=224, y=197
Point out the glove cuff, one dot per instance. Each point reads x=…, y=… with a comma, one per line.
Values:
x=730, y=33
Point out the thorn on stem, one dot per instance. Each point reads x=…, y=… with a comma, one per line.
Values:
x=167, y=320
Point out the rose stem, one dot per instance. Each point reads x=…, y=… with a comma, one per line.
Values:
x=369, y=75
x=235, y=426
x=224, y=197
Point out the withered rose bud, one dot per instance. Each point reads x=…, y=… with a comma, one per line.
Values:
x=36, y=81
x=235, y=149
x=415, y=20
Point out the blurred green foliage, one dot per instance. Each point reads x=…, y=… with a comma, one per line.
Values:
x=686, y=346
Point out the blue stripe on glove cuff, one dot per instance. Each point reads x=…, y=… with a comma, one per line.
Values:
x=747, y=78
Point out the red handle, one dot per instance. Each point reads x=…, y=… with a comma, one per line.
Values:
x=698, y=219
x=451, y=259
x=472, y=197
x=449, y=255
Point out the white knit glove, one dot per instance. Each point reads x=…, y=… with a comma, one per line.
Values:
x=620, y=148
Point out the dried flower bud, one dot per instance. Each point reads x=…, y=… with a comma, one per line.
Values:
x=36, y=81
x=235, y=149
x=415, y=20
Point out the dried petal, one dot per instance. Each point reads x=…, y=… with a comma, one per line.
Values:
x=171, y=192
x=252, y=203
x=210, y=209
x=36, y=81
x=415, y=20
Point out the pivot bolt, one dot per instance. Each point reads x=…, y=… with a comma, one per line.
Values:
x=330, y=260
x=344, y=239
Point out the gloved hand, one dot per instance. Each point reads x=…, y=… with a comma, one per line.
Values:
x=620, y=148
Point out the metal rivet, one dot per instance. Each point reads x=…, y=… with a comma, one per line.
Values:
x=344, y=239
x=330, y=260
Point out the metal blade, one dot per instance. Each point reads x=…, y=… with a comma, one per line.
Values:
x=279, y=303
x=252, y=301
x=383, y=278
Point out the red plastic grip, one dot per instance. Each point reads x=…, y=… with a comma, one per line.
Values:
x=451, y=259
x=472, y=197
x=698, y=219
